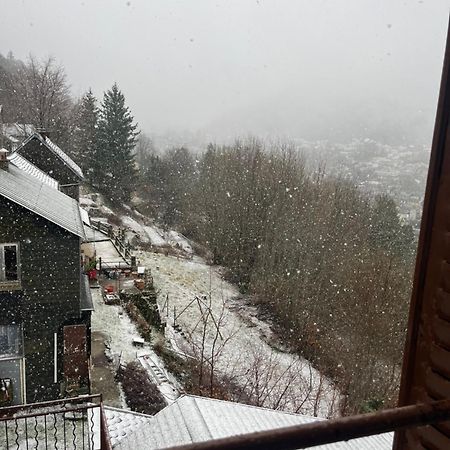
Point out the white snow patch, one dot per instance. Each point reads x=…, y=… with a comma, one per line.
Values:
x=108, y=253
x=135, y=227
x=99, y=219
x=85, y=201
x=178, y=240
x=155, y=235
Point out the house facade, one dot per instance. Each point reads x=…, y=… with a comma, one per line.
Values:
x=45, y=303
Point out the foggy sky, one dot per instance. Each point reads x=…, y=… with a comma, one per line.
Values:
x=265, y=67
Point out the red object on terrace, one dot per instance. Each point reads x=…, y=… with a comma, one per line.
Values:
x=92, y=274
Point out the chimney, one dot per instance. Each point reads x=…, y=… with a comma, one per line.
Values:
x=4, y=162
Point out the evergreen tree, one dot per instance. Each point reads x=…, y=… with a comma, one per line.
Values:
x=116, y=174
x=85, y=135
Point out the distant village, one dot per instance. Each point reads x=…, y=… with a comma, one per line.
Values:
x=398, y=170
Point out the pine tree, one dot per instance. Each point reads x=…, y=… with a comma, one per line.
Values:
x=85, y=136
x=117, y=135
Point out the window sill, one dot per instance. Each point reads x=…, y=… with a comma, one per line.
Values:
x=10, y=357
x=10, y=286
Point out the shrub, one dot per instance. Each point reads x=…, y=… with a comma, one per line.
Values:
x=141, y=324
x=141, y=394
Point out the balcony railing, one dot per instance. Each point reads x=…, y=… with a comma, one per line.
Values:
x=75, y=423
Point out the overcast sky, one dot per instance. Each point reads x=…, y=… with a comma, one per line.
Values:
x=249, y=65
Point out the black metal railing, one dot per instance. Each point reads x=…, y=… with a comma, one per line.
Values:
x=75, y=423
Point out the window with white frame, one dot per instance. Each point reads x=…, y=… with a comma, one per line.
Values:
x=9, y=263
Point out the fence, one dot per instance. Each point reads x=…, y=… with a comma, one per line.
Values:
x=76, y=423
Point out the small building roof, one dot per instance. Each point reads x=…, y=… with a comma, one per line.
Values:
x=22, y=163
x=67, y=160
x=33, y=194
x=85, y=217
x=121, y=423
x=86, y=303
x=193, y=419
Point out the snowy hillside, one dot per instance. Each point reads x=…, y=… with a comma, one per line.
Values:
x=207, y=319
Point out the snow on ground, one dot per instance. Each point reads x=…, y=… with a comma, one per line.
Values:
x=87, y=202
x=156, y=236
x=95, y=203
x=135, y=227
x=240, y=344
x=98, y=219
x=109, y=254
x=178, y=240
x=114, y=322
x=105, y=210
x=279, y=379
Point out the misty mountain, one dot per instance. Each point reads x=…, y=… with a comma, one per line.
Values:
x=335, y=119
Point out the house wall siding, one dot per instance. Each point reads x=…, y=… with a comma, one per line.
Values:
x=50, y=295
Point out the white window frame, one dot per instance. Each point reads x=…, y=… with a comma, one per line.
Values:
x=9, y=284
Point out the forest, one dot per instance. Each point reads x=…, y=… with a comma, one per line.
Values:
x=330, y=265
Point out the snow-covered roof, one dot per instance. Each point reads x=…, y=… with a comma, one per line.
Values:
x=121, y=423
x=86, y=303
x=85, y=216
x=67, y=160
x=33, y=194
x=22, y=163
x=193, y=419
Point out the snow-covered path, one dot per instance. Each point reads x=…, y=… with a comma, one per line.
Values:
x=113, y=321
x=278, y=379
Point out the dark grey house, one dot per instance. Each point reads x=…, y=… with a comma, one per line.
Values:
x=40, y=151
x=45, y=302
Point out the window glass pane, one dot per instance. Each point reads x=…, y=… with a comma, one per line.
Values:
x=10, y=340
x=11, y=267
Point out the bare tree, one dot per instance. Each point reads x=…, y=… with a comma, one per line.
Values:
x=208, y=341
x=41, y=97
x=269, y=381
